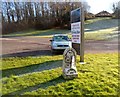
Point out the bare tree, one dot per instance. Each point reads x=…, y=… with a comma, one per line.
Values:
x=116, y=10
x=41, y=15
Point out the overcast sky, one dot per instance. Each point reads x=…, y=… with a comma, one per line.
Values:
x=100, y=5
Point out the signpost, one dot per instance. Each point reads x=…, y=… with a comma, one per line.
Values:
x=82, y=38
x=77, y=29
x=76, y=25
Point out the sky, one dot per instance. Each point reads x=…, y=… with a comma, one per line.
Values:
x=99, y=5
x=95, y=5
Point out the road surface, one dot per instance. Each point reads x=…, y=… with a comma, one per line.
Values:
x=37, y=46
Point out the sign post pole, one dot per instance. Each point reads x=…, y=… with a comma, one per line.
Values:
x=82, y=37
x=77, y=29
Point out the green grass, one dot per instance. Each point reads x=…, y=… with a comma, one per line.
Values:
x=95, y=29
x=17, y=62
x=103, y=34
x=101, y=29
x=42, y=76
x=42, y=33
x=96, y=20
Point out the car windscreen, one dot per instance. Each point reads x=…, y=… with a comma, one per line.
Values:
x=60, y=38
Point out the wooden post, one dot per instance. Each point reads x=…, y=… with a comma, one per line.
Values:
x=82, y=36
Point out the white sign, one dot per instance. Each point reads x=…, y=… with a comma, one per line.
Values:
x=76, y=32
x=76, y=25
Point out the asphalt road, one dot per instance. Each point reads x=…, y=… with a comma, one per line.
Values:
x=37, y=46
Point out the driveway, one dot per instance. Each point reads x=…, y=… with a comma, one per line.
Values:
x=37, y=46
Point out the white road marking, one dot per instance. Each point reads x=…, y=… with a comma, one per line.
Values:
x=8, y=39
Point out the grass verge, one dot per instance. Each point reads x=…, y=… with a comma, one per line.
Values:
x=99, y=76
x=42, y=33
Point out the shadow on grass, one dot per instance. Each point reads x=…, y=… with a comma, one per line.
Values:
x=29, y=53
x=33, y=68
x=44, y=85
x=33, y=53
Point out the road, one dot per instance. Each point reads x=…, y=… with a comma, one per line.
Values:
x=37, y=46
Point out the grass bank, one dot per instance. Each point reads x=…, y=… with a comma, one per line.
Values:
x=95, y=29
x=42, y=76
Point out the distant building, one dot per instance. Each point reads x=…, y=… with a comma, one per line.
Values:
x=103, y=14
x=89, y=16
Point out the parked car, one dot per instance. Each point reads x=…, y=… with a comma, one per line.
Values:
x=60, y=42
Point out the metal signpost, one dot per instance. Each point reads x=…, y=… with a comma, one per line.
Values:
x=77, y=29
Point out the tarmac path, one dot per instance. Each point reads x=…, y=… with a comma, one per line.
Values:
x=37, y=46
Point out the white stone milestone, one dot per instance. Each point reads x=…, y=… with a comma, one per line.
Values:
x=69, y=64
